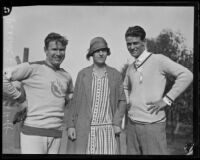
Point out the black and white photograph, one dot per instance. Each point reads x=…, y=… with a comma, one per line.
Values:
x=100, y=80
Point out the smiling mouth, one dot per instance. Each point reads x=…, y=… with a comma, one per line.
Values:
x=101, y=57
x=58, y=59
x=133, y=51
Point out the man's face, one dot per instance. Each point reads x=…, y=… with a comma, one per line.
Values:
x=99, y=56
x=135, y=46
x=55, y=53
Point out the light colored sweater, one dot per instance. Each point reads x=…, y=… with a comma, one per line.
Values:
x=153, y=72
x=46, y=92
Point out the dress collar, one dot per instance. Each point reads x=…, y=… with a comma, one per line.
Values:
x=95, y=73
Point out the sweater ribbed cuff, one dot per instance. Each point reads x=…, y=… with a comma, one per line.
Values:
x=167, y=100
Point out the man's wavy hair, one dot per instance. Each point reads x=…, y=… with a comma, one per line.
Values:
x=136, y=31
x=55, y=37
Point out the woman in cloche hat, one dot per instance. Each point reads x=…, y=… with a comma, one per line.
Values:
x=98, y=105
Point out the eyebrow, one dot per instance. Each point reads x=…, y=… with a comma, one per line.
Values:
x=56, y=48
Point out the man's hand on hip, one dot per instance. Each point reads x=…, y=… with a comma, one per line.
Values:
x=156, y=106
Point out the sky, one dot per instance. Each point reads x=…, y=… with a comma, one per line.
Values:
x=27, y=27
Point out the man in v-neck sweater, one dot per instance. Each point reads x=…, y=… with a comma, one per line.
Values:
x=144, y=86
x=48, y=88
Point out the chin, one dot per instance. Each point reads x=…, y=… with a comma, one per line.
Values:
x=101, y=63
x=133, y=55
x=56, y=64
x=136, y=55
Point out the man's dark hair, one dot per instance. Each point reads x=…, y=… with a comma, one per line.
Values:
x=55, y=37
x=136, y=31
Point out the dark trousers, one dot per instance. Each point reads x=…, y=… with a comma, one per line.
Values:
x=146, y=139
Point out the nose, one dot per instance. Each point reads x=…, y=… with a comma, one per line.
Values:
x=59, y=52
x=132, y=46
x=101, y=52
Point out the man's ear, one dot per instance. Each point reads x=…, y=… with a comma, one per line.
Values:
x=45, y=49
x=144, y=42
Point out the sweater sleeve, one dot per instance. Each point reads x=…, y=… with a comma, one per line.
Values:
x=122, y=96
x=182, y=75
x=127, y=84
x=17, y=73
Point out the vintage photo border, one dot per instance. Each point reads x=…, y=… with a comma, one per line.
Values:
x=7, y=9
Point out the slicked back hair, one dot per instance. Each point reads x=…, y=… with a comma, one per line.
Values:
x=136, y=31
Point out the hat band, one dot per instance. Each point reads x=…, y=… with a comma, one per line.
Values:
x=96, y=46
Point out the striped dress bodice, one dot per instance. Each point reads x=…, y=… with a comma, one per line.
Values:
x=101, y=138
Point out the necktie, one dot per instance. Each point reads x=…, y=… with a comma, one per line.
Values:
x=136, y=64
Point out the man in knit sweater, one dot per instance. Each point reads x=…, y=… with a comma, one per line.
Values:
x=48, y=88
x=144, y=87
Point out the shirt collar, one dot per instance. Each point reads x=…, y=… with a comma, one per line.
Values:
x=54, y=68
x=143, y=56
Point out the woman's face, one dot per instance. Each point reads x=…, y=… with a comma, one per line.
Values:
x=99, y=56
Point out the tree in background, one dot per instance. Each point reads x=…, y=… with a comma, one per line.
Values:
x=172, y=45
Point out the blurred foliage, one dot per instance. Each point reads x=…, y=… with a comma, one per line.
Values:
x=172, y=45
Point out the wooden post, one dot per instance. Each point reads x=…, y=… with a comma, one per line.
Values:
x=26, y=55
x=17, y=128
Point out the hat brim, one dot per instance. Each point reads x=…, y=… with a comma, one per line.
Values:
x=96, y=49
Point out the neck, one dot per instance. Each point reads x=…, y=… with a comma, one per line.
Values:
x=99, y=69
x=142, y=51
x=99, y=66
